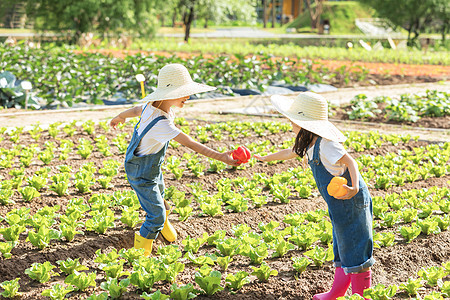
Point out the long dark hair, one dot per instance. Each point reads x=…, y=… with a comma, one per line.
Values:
x=302, y=142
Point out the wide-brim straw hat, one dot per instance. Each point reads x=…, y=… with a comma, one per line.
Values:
x=309, y=111
x=174, y=81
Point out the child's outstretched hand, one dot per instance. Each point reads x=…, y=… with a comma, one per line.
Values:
x=116, y=121
x=351, y=191
x=228, y=159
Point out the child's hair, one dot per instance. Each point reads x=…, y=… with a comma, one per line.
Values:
x=302, y=141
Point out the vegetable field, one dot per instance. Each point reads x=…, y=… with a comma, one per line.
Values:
x=258, y=231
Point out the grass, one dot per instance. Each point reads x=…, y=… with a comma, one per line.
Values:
x=342, y=16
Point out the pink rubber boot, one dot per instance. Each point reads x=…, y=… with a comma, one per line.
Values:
x=340, y=285
x=360, y=282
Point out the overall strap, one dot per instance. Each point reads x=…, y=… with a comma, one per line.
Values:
x=316, y=157
x=140, y=118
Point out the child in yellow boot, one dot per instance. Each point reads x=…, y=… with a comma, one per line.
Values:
x=147, y=148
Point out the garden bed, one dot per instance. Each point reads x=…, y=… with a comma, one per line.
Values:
x=395, y=263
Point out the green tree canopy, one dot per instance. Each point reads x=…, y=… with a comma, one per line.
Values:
x=416, y=16
x=106, y=16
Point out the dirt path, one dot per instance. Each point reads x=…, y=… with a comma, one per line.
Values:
x=208, y=109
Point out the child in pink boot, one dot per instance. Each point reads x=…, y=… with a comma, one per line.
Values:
x=350, y=214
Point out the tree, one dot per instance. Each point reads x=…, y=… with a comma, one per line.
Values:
x=315, y=11
x=414, y=15
x=217, y=11
x=106, y=16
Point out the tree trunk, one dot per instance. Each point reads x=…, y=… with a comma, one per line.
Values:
x=206, y=22
x=315, y=14
x=265, y=13
x=273, y=13
x=174, y=17
x=188, y=19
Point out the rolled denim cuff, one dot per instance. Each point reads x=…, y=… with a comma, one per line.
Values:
x=338, y=264
x=356, y=269
x=148, y=235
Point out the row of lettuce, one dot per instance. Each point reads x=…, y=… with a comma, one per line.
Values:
x=67, y=77
x=303, y=237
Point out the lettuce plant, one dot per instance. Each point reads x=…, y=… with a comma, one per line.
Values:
x=69, y=230
x=172, y=270
x=130, y=216
x=429, y=226
x=380, y=291
x=60, y=183
x=281, y=247
x=131, y=254
x=192, y=245
x=41, y=272
x=100, y=222
x=183, y=212
x=213, y=208
x=201, y=260
x=145, y=278
x=158, y=296
x=228, y=247
x=411, y=286
x=224, y=261
x=236, y=281
x=304, y=239
x=29, y=193
x=81, y=280
x=114, y=269
x=5, y=249
x=11, y=288
x=208, y=280
x=183, y=292
x=43, y=236
x=217, y=235
x=410, y=233
x=106, y=258
x=264, y=272
x=57, y=291
x=300, y=263
x=256, y=253
x=385, y=239
x=318, y=255
x=5, y=196
x=12, y=232
x=433, y=275
x=70, y=265
x=115, y=287
x=169, y=254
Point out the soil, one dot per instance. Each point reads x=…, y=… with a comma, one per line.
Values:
x=394, y=264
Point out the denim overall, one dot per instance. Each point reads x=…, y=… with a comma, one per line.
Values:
x=351, y=219
x=145, y=177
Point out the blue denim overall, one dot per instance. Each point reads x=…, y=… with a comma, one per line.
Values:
x=351, y=219
x=145, y=177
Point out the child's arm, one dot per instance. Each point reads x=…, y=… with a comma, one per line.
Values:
x=129, y=113
x=187, y=141
x=284, y=154
x=353, y=170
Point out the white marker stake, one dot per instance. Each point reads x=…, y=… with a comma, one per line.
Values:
x=26, y=85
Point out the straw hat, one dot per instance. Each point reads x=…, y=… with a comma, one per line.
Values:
x=174, y=81
x=310, y=111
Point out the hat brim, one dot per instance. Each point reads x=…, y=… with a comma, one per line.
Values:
x=178, y=92
x=323, y=128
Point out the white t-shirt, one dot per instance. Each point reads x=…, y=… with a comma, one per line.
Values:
x=330, y=152
x=163, y=131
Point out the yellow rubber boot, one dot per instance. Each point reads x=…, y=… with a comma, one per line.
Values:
x=141, y=242
x=168, y=231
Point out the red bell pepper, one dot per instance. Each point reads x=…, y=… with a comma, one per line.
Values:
x=242, y=154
